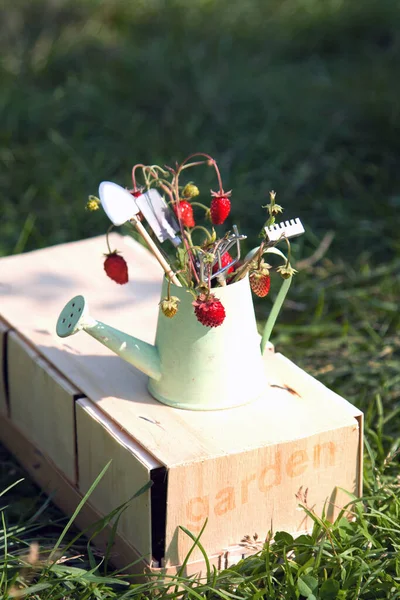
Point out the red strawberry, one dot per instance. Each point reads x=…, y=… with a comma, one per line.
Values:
x=209, y=310
x=260, y=281
x=186, y=213
x=220, y=208
x=136, y=194
x=226, y=258
x=116, y=268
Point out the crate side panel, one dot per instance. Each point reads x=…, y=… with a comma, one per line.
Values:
x=42, y=405
x=3, y=373
x=67, y=498
x=98, y=444
x=260, y=490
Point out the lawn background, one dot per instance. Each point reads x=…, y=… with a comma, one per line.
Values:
x=299, y=96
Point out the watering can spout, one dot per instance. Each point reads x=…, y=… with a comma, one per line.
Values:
x=75, y=317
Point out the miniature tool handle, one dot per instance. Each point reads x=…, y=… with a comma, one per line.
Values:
x=142, y=231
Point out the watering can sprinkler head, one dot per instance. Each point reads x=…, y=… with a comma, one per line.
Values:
x=73, y=318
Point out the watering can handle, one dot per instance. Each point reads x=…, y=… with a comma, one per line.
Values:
x=276, y=307
x=275, y=310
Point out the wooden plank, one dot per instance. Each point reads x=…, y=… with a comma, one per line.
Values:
x=99, y=441
x=42, y=404
x=256, y=491
x=3, y=369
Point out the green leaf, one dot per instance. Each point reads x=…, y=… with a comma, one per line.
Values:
x=10, y=487
x=182, y=257
x=283, y=538
x=329, y=589
x=33, y=589
x=77, y=510
x=346, y=525
x=307, y=586
x=304, y=540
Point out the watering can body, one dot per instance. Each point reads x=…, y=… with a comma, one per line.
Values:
x=205, y=368
x=190, y=366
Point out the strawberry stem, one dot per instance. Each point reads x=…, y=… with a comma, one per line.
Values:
x=200, y=205
x=193, y=164
x=211, y=160
x=107, y=240
x=202, y=229
x=139, y=165
x=289, y=252
x=169, y=289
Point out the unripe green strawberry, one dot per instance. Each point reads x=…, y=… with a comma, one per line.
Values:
x=93, y=203
x=190, y=190
x=169, y=306
x=286, y=271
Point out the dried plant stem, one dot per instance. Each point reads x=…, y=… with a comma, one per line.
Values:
x=318, y=254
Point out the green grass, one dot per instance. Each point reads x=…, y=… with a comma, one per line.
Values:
x=299, y=96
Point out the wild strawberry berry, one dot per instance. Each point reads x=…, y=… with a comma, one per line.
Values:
x=220, y=207
x=260, y=281
x=186, y=213
x=169, y=306
x=209, y=311
x=137, y=193
x=226, y=258
x=260, y=284
x=93, y=203
x=190, y=190
x=286, y=270
x=116, y=268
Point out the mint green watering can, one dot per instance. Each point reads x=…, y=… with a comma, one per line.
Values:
x=192, y=366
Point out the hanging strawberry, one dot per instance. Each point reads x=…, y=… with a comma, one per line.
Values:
x=209, y=310
x=220, y=207
x=116, y=268
x=186, y=213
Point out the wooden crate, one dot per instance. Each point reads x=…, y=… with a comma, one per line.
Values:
x=243, y=469
x=3, y=369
